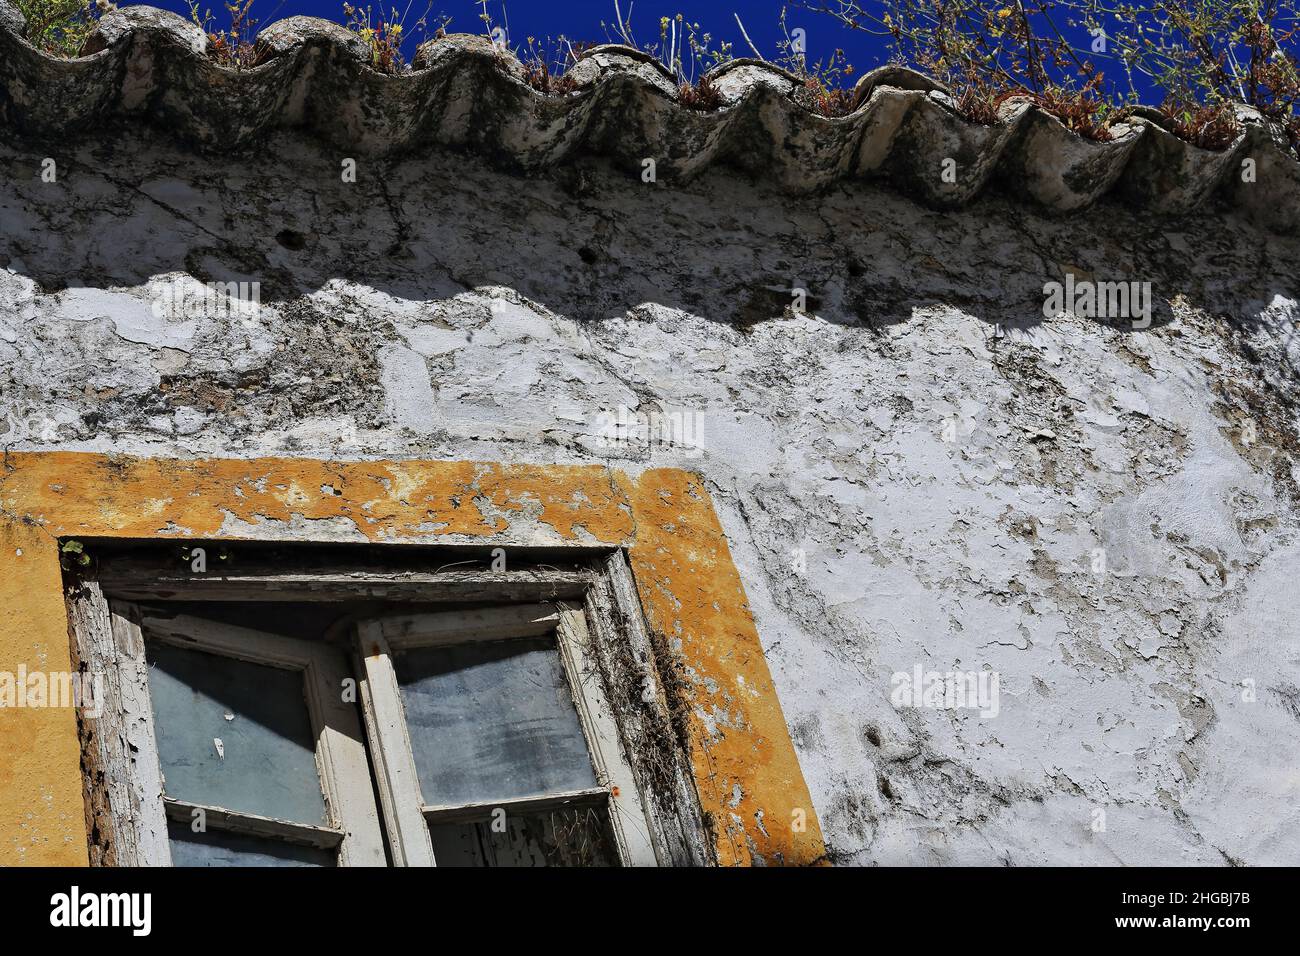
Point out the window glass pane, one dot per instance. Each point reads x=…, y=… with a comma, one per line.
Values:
x=234, y=734
x=491, y=721
x=228, y=849
x=546, y=838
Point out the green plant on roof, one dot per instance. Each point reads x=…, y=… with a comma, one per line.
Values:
x=234, y=44
x=1082, y=60
x=60, y=27
x=384, y=35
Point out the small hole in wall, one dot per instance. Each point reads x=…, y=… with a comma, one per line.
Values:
x=588, y=255
x=873, y=735
x=887, y=789
x=291, y=240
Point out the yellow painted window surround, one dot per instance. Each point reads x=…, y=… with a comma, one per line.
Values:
x=688, y=585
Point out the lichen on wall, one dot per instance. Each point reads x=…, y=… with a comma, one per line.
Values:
x=918, y=468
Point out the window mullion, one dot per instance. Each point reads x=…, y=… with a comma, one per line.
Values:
x=398, y=779
x=341, y=757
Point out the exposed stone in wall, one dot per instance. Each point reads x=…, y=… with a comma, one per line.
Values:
x=439, y=309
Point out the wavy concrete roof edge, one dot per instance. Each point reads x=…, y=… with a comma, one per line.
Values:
x=464, y=92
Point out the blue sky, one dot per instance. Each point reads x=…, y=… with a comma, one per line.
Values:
x=582, y=19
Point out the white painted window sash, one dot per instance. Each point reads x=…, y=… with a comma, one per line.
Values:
x=399, y=784
x=254, y=825
x=340, y=748
x=627, y=813
x=436, y=629
x=480, y=812
x=397, y=780
x=139, y=784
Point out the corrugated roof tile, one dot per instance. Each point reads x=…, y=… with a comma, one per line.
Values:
x=465, y=92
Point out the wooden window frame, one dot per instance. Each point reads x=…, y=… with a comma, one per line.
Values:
x=604, y=643
x=341, y=759
x=616, y=790
x=353, y=829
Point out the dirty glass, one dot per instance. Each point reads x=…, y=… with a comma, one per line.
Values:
x=234, y=734
x=228, y=849
x=548, y=838
x=492, y=721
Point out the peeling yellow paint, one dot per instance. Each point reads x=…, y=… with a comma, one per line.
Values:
x=42, y=817
x=746, y=770
x=692, y=593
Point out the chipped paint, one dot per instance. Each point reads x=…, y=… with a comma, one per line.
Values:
x=692, y=594
x=745, y=767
